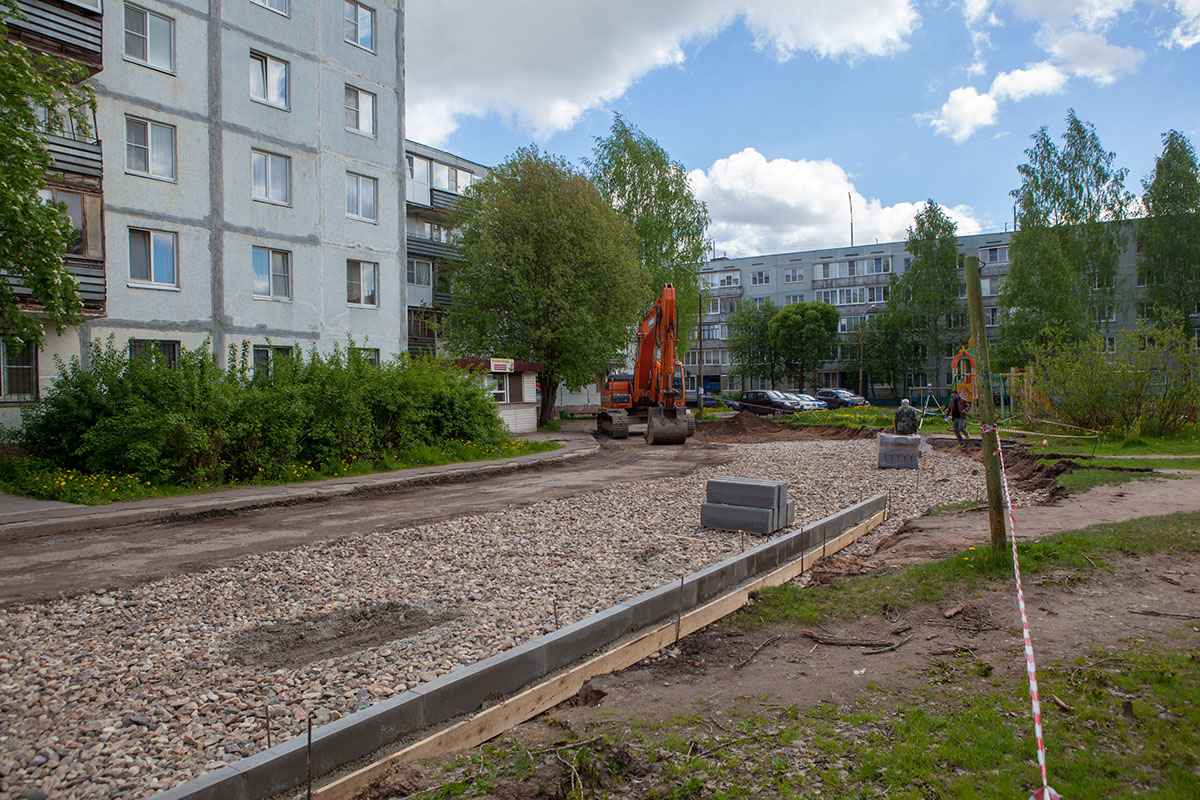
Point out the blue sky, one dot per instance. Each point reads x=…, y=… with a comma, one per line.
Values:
x=778, y=108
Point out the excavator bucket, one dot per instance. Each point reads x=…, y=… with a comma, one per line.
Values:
x=666, y=426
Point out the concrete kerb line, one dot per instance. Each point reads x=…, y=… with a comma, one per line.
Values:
x=91, y=518
x=533, y=670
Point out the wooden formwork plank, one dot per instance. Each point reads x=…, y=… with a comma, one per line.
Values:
x=492, y=722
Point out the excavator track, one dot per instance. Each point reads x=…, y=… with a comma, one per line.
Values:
x=612, y=423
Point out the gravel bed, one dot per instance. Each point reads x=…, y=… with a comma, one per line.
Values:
x=128, y=693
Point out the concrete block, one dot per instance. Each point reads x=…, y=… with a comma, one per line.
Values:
x=222, y=784
x=659, y=605
x=746, y=492
x=766, y=557
x=789, y=518
x=466, y=689
x=715, y=580
x=273, y=771
x=738, y=518
x=588, y=635
x=898, y=452
x=399, y=716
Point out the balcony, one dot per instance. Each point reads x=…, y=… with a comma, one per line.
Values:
x=442, y=200
x=60, y=29
x=724, y=291
x=419, y=247
x=871, y=279
x=93, y=286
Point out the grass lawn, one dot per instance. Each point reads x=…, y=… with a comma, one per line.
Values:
x=859, y=416
x=32, y=478
x=1185, y=442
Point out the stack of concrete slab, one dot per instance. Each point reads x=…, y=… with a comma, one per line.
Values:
x=747, y=504
x=898, y=451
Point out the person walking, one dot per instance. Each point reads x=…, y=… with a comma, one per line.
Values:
x=958, y=418
x=905, y=422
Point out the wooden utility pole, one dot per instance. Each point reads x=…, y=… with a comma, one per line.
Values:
x=983, y=394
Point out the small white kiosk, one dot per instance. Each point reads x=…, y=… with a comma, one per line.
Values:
x=514, y=385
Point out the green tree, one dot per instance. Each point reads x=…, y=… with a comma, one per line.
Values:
x=804, y=335
x=751, y=353
x=927, y=297
x=890, y=351
x=639, y=179
x=36, y=91
x=1170, y=234
x=1064, y=250
x=546, y=271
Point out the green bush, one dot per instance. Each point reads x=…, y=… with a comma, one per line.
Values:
x=193, y=422
x=1149, y=386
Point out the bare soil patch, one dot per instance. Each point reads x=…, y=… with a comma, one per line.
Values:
x=748, y=428
x=318, y=636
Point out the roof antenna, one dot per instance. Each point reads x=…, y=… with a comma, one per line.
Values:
x=851, y=199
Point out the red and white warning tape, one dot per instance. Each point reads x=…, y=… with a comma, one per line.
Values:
x=1044, y=793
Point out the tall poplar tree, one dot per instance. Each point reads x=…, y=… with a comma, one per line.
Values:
x=1169, y=236
x=1063, y=254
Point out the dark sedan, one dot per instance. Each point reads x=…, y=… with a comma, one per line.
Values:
x=767, y=402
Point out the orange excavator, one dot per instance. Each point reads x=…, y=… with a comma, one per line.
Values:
x=654, y=391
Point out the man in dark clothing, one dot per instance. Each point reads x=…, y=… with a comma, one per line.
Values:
x=905, y=422
x=958, y=418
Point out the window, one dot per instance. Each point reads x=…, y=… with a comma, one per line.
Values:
x=851, y=268
x=1141, y=276
x=360, y=25
x=272, y=273
x=713, y=330
x=760, y=278
x=990, y=286
x=689, y=359
x=907, y=262
x=1107, y=314
x=360, y=114
x=280, y=6
x=1142, y=310
x=362, y=283
x=879, y=266
x=1108, y=344
x=149, y=39
x=827, y=296
x=792, y=299
x=994, y=255
x=268, y=80
x=87, y=238
x=156, y=349
x=850, y=324
x=793, y=275
x=715, y=358
x=759, y=302
x=18, y=372
x=368, y=354
x=149, y=148
x=422, y=323
x=714, y=306
x=264, y=354
x=152, y=257
x=849, y=297
x=991, y=315
x=725, y=279
x=271, y=176
x=360, y=197
x=878, y=294
x=828, y=270
x=420, y=273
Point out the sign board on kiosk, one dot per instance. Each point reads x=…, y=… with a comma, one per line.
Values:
x=503, y=365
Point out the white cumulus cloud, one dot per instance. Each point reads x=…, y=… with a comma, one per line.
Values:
x=963, y=113
x=1187, y=33
x=1090, y=55
x=1042, y=78
x=541, y=64
x=779, y=205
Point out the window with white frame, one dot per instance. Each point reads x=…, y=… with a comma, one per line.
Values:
x=360, y=25
x=152, y=258
x=1108, y=344
x=279, y=6
x=1142, y=310
x=715, y=358
x=497, y=382
x=149, y=39
x=851, y=268
x=18, y=372
x=420, y=273
x=271, y=177
x=368, y=354
x=852, y=296
x=991, y=315
x=994, y=255
x=360, y=113
x=827, y=296
x=879, y=266
x=1106, y=314
x=760, y=278
x=264, y=354
x=726, y=279
x=689, y=359
x=713, y=306
x=149, y=148
x=828, y=269
x=360, y=197
x=362, y=283
x=759, y=302
x=907, y=262
x=272, y=273
x=165, y=349
x=792, y=299
x=793, y=275
x=269, y=80
x=878, y=294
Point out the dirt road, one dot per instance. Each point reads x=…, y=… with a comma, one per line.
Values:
x=47, y=567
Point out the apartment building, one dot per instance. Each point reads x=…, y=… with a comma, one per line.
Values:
x=249, y=155
x=436, y=180
x=855, y=280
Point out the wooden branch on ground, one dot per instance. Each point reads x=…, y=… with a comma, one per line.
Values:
x=748, y=658
x=890, y=647
x=840, y=642
x=1147, y=612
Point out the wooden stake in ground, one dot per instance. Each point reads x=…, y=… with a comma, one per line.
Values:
x=983, y=393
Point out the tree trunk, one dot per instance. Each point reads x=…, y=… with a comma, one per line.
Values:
x=549, y=391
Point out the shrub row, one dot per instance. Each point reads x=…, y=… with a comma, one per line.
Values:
x=192, y=422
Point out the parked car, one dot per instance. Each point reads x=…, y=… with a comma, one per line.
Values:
x=710, y=401
x=808, y=402
x=841, y=398
x=767, y=402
